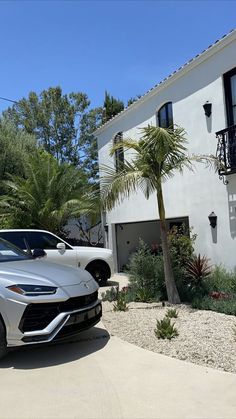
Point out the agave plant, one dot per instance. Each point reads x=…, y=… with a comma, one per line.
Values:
x=165, y=329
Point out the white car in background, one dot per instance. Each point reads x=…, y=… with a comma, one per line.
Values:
x=97, y=261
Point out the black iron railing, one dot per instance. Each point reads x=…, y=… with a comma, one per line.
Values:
x=226, y=150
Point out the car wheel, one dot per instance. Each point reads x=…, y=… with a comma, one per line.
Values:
x=3, y=343
x=99, y=271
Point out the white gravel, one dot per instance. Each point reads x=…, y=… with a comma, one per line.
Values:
x=205, y=337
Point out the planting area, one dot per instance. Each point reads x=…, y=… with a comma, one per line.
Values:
x=204, y=337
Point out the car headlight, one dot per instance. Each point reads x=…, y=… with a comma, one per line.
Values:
x=32, y=290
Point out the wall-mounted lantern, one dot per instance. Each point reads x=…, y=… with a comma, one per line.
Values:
x=207, y=108
x=213, y=219
x=106, y=228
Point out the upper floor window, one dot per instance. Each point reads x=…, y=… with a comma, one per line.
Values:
x=230, y=96
x=119, y=153
x=165, y=116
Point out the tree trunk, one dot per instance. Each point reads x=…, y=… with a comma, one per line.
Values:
x=172, y=292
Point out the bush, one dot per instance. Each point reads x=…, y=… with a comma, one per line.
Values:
x=197, y=269
x=226, y=306
x=144, y=295
x=172, y=313
x=181, y=243
x=121, y=302
x=110, y=295
x=221, y=280
x=165, y=329
x=146, y=274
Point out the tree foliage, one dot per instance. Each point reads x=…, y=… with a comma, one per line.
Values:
x=15, y=146
x=54, y=118
x=89, y=122
x=111, y=107
x=47, y=197
x=133, y=99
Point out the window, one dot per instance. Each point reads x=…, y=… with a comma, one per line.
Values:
x=119, y=153
x=45, y=241
x=230, y=100
x=230, y=96
x=9, y=253
x=165, y=116
x=14, y=237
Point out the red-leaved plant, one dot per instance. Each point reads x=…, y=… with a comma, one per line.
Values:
x=219, y=295
x=198, y=268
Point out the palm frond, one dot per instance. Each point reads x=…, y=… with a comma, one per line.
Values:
x=115, y=186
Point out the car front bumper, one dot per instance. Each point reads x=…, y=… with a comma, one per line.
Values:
x=64, y=324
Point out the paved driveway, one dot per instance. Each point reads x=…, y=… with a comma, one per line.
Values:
x=101, y=376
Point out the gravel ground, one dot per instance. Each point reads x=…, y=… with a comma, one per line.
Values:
x=205, y=337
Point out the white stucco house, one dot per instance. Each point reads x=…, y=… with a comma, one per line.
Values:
x=200, y=97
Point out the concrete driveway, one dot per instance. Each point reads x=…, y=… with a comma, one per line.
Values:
x=101, y=376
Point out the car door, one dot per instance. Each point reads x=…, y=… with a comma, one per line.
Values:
x=48, y=242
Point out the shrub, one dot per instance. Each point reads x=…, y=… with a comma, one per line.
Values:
x=172, y=313
x=143, y=295
x=221, y=280
x=146, y=273
x=181, y=243
x=165, y=329
x=220, y=305
x=121, y=302
x=110, y=295
x=219, y=295
x=198, y=268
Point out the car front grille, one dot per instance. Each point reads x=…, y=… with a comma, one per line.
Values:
x=73, y=329
x=38, y=316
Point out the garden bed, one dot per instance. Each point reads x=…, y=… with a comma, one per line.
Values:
x=205, y=337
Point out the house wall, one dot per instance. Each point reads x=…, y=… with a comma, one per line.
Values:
x=193, y=194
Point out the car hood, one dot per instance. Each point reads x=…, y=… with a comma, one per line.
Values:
x=41, y=272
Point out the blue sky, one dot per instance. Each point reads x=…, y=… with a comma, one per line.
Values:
x=124, y=47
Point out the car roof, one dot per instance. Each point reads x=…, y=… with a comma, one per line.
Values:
x=24, y=229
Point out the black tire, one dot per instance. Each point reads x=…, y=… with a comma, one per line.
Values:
x=99, y=271
x=3, y=342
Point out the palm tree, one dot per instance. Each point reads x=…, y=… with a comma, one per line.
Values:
x=47, y=197
x=159, y=153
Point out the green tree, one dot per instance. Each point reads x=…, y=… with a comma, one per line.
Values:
x=111, y=107
x=15, y=146
x=90, y=121
x=54, y=118
x=133, y=99
x=159, y=153
x=50, y=194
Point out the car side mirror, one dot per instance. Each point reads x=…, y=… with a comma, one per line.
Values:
x=61, y=246
x=39, y=253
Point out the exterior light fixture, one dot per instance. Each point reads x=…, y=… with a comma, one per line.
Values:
x=213, y=219
x=207, y=108
x=106, y=228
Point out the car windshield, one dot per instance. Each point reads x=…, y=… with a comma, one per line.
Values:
x=10, y=253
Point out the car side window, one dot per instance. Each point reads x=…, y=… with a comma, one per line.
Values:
x=16, y=238
x=41, y=240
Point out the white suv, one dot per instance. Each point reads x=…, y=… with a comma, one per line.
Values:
x=97, y=261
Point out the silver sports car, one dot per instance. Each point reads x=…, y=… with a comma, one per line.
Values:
x=42, y=301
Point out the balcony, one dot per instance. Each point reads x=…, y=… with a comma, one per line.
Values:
x=226, y=150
